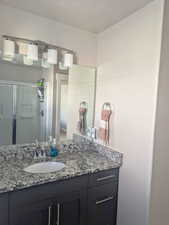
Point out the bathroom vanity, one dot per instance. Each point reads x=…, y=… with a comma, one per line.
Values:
x=85, y=192
x=88, y=199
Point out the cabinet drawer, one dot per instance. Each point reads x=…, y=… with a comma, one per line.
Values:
x=97, y=194
x=103, y=177
x=102, y=204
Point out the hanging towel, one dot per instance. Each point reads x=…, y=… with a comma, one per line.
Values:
x=104, y=123
x=82, y=123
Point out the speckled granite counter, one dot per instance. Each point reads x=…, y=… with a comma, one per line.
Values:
x=12, y=176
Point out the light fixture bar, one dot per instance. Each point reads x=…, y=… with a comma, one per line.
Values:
x=38, y=48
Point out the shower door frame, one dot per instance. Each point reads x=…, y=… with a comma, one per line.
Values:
x=60, y=78
x=14, y=85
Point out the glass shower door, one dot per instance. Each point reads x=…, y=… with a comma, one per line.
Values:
x=28, y=115
x=6, y=114
x=22, y=115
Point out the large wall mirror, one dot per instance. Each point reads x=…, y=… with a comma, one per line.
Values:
x=67, y=106
x=76, y=101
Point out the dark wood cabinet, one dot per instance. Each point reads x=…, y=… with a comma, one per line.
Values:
x=4, y=209
x=36, y=213
x=59, y=211
x=102, y=205
x=84, y=200
x=58, y=203
x=69, y=209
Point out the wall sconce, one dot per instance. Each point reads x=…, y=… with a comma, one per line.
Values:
x=32, y=52
x=52, y=56
x=8, y=49
x=68, y=60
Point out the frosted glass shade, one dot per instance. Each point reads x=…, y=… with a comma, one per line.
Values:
x=23, y=48
x=44, y=62
x=8, y=48
x=68, y=60
x=32, y=52
x=52, y=56
x=27, y=61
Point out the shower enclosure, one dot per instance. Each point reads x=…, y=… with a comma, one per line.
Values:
x=22, y=115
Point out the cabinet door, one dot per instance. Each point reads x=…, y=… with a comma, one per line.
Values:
x=33, y=214
x=70, y=209
x=102, y=205
x=4, y=209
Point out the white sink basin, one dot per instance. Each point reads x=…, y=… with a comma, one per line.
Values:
x=44, y=167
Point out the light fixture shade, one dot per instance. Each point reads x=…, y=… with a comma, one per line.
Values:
x=27, y=61
x=52, y=56
x=44, y=62
x=62, y=67
x=8, y=48
x=68, y=60
x=32, y=52
x=23, y=48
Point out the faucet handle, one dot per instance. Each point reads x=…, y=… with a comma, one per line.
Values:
x=42, y=153
x=36, y=154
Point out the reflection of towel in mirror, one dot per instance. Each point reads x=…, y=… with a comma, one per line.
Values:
x=82, y=120
x=104, y=126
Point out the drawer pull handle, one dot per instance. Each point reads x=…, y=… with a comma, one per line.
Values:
x=104, y=200
x=58, y=214
x=49, y=215
x=105, y=178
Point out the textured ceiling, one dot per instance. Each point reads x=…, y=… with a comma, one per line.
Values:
x=91, y=15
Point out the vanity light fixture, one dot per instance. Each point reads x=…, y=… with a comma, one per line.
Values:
x=68, y=60
x=32, y=53
x=52, y=56
x=8, y=49
x=37, y=53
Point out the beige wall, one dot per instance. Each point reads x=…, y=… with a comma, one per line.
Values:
x=128, y=66
x=22, y=24
x=159, y=204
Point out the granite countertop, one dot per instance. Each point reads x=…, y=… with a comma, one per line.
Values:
x=12, y=176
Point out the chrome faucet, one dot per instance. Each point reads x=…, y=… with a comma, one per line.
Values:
x=40, y=152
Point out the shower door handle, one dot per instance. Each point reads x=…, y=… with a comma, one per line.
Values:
x=14, y=129
x=14, y=116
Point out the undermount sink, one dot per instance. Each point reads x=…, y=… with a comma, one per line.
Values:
x=45, y=167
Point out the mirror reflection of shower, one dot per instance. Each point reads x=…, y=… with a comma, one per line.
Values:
x=22, y=113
